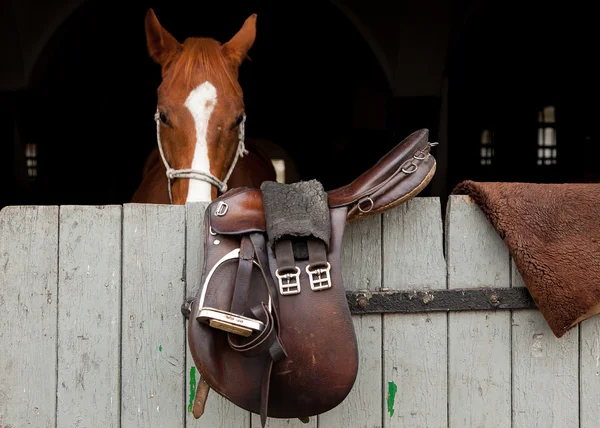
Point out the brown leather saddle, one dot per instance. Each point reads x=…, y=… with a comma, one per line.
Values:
x=270, y=328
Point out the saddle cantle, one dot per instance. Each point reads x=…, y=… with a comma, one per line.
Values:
x=270, y=329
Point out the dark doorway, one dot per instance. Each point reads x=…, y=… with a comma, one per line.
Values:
x=89, y=112
x=523, y=96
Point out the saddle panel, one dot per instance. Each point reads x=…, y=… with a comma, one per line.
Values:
x=319, y=336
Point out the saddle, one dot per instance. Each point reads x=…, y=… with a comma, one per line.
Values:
x=270, y=328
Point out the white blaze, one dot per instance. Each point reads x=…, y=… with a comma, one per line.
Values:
x=201, y=103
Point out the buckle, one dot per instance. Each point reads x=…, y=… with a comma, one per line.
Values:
x=420, y=155
x=221, y=209
x=317, y=280
x=291, y=284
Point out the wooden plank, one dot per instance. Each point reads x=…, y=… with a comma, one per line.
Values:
x=545, y=378
x=89, y=316
x=479, y=361
x=361, y=254
x=590, y=373
x=361, y=269
x=414, y=345
x=28, y=310
x=218, y=412
x=153, y=334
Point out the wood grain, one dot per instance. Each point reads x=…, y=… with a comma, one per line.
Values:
x=545, y=378
x=28, y=311
x=479, y=362
x=415, y=345
x=89, y=316
x=153, y=357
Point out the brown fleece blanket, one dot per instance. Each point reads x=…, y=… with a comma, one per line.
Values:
x=553, y=233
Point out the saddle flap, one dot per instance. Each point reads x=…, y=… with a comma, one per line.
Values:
x=238, y=212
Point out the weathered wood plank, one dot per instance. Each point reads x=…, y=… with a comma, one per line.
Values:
x=545, y=376
x=361, y=269
x=361, y=254
x=479, y=361
x=153, y=356
x=89, y=316
x=590, y=373
x=414, y=345
x=28, y=311
x=218, y=412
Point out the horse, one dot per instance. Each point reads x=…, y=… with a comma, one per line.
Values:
x=200, y=119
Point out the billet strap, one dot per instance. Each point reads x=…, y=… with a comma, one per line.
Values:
x=287, y=272
x=318, y=268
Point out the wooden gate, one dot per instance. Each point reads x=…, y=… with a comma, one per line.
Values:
x=92, y=334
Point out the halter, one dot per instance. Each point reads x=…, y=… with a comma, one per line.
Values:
x=201, y=175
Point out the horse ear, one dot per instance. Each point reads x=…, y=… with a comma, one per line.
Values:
x=162, y=46
x=236, y=49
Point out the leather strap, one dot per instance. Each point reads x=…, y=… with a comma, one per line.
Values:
x=243, y=278
x=317, y=253
x=202, y=391
x=252, y=249
x=284, y=254
x=260, y=252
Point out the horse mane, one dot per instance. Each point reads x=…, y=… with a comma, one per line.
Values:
x=202, y=59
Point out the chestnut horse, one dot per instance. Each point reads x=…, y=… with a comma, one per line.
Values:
x=201, y=148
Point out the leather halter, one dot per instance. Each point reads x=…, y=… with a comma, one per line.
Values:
x=195, y=174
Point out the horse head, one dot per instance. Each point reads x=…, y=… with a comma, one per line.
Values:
x=200, y=109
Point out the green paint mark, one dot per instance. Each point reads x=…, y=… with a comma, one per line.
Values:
x=192, y=388
x=160, y=348
x=392, y=389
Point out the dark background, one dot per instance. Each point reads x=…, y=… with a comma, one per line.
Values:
x=334, y=83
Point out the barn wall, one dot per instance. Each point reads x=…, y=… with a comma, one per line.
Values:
x=93, y=334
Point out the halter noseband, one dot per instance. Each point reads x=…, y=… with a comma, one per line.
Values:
x=201, y=175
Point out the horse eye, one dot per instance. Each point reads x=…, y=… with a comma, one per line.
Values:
x=163, y=118
x=237, y=122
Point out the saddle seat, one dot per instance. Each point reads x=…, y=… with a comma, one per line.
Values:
x=270, y=328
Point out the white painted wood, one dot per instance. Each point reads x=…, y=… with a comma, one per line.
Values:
x=218, y=412
x=361, y=254
x=516, y=278
x=479, y=363
x=28, y=306
x=413, y=252
x=545, y=374
x=153, y=334
x=590, y=373
x=545, y=378
x=414, y=345
x=361, y=270
x=89, y=316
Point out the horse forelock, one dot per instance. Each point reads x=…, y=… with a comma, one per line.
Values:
x=202, y=60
